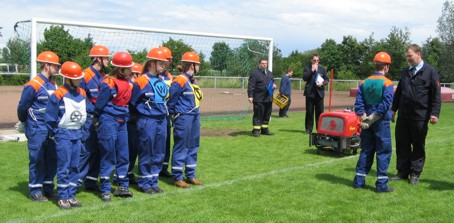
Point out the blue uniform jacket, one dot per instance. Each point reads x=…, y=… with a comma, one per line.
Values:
x=375, y=94
x=182, y=96
x=35, y=97
x=143, y=97
x=56, y=108
x=113, y=99
x=90, y=83
x=286, y=86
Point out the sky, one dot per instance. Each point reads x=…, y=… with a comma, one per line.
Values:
x=293, y=24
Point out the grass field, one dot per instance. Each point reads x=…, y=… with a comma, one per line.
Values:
x=267, y=179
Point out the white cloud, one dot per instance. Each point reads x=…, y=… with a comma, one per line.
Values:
x=294, y=25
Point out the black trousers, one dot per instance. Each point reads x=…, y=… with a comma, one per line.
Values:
x=410, y=146
x=262, y=114
x=313, y=104
x=283, y=111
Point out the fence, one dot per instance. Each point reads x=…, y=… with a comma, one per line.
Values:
x=242, y=82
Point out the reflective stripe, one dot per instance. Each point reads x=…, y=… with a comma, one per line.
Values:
x=121, y=176
x=72, y=184
x=43, y=97
x=155, y=175
x=256, y=127
x=189, y=93
x=80, y=181
x=93, y=89
x=48, y=182
x=146, y=176
x=63, y=185
x=382, y=177
x=35, y=185
x=105, y=178
x=165, y=163
x=264, y=126
x=361, y=174
x=129, y=173
x=91, y=178
x=177, y=168
x=192, y=165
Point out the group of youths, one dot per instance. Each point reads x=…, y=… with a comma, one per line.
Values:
x=417, y=99
x=97, y=124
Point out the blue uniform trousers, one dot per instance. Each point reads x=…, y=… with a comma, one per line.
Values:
x=165, y=165
x=376, y=139
x=134, y=144
x=68, y=152
x=42, y=156
x=114, y=152
x=89, y=161
x=186, y=145
x=152, y=134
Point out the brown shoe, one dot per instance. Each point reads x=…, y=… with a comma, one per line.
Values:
x=182, y=184
x=194, y=181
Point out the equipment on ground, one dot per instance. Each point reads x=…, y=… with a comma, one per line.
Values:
x=339, y=131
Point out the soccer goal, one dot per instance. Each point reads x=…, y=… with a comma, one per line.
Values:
x=222, y=55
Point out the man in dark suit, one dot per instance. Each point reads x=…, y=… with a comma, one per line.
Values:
x=316, y=79
x=260, y=94
x=418, y=102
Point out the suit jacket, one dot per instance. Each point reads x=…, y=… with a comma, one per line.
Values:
x=311, y=89
x=257, y=86
x=418, y=97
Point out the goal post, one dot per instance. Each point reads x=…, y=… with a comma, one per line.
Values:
x=242, y=57
x=130, y=38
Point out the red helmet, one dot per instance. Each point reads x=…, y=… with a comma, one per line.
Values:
x=382, y=57
x=99, y=51
x=122, y=59
x=48, y=57
x=71, y=70
x=190, y=57
x=167, y=52
x=137, y=68
x=157, y=54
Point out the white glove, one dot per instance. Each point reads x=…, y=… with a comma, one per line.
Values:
x=369, y=120
x=363, y=117
x=20, y=127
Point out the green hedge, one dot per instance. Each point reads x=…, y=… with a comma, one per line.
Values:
x=21, y=79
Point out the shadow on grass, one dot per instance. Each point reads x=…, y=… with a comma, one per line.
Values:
x=21, y=187
x=240, y=133
x=328, y=152
x=338, y=180
x=438, y=185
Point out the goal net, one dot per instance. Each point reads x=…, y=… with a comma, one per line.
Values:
x=227, y=60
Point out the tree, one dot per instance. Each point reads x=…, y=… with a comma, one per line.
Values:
x=330, y=55
x=68, y=48
x=17, y=52
x=444, y=30
x=221, y=52
x=395, y=45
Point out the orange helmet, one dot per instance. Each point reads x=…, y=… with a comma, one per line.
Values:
x=137, y=68
x=382, y=57
x=48, y=57
x=157, y=54
x=122, y=59
x=167, y=52
x=191, y=57
x=99, y=51
x=71, y=70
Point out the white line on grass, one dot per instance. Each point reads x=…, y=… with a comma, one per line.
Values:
x=103, y=205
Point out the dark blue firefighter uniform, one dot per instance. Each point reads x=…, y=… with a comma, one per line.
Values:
x=112, y=109
x=42, y=155
x=183, y=102
x=375, y=95
x=89, y=155
x=65, y=115
x=148, y=98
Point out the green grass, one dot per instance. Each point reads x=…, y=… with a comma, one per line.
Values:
x=267, y=179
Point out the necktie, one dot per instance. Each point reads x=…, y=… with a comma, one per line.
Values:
x=412, y=71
